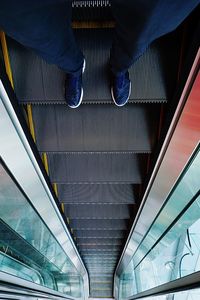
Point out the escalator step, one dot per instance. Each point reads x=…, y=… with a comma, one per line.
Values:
x=98, y=251
x=104, y=260
x=99, y=248
x=101, y=269
x=85, y=224
x=99, y=211
x=100, y=257
x=106, y=285
x=91, y=128
x=90, y=3
x=103, y=278
x=91, y=11
x=96, y=168
x=98, y=234
x=101, y=263
x=101, y=293
x=104, y=241
x=152, y=76
x=96, y=193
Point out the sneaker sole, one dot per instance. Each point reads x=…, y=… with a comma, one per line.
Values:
x=81, y=98
x=113, y=98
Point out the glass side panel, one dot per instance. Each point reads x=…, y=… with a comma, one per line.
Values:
x=177, y=253
x=14, y=267
x=186, y=187
x=183, y=295
x=27, y=247
x=128, y=282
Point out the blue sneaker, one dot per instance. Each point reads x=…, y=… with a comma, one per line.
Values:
x=74, y=89
x=120, y=88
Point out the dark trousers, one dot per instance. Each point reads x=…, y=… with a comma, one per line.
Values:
x=45, y=27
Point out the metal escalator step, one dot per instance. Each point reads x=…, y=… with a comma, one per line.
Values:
x=91, y=128
x=152, y=76
x=98, y=234
x=96, y=168
x=101, y=285
x=103, y=254
x=90, y=3
x=101, y=279
x=100, y=259
x=94, y=248
x=101, y=293
x=106, y=252
x=85, y=224
x=103, y=275
x=91, y=11
x=96, y=193
x=101, y=263
x=96, y=266
x=100, y=241
x=101, y=269
x=101, y=211
x=98, y=249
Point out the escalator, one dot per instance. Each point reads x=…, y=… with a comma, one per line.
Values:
x=97, y=156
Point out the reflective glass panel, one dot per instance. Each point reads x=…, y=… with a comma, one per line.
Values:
x=14, y=267
x=160, y=259
x=27, y=247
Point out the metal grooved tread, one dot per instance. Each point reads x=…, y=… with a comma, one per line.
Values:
x=102, y=247
x=38, y=82
x=101, y=293
x=88, y=225
x=98, y=10
x=99, y=211
x=99, y=234
x=96, y=193
x=96, y=168
x=99, y=241
x=103, y=128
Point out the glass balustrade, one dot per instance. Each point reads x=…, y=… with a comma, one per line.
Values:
x=28, y=249
x=171, y=248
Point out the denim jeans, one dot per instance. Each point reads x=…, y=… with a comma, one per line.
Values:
x=140, y=22
x=45, y=27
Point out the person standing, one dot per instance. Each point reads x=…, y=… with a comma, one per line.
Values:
x=45, y=27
